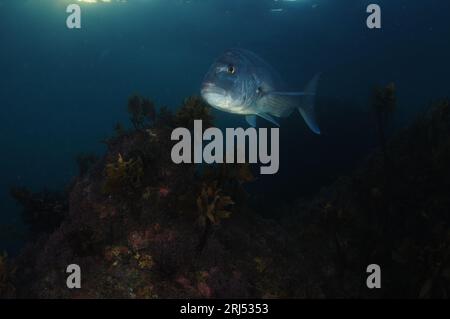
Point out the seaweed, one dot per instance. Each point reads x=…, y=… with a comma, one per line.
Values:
x=142, y=227
x=142, y=111
x=85, y=163
x=165, y=118
x=384, y=103
x=212, y=205
x=194, y=108
x=43, y=211
x=401, y=225
x=119, y=129
x=123, y=177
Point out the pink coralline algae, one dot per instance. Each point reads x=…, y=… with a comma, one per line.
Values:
x=139, y=240
x=204, y=290
x=184, y=282
x=164, y=192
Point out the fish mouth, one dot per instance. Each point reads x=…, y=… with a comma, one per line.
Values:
x=209, y=88
x=215, y=96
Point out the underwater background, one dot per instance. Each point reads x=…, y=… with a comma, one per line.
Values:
x=62, y=91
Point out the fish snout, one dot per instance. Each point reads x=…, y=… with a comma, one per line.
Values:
x=211, y=88
x=207, y=85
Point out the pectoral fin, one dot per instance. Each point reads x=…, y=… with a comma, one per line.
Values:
x=279, y=103
x=251, y=120
x=269, y=118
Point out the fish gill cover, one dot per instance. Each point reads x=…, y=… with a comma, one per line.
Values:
x=371, y=189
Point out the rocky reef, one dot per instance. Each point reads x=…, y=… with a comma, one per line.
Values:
x=393, y=211
x=140, y=226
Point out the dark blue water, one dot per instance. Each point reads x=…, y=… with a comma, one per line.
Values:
x=62, y=91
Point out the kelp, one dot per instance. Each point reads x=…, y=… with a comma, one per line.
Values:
x=123, y=177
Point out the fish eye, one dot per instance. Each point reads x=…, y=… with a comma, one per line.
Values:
x=231, y=69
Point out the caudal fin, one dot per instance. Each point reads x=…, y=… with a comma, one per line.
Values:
x=307, y=107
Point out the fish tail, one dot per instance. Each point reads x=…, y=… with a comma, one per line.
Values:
x=307, y=104
x=281, y=104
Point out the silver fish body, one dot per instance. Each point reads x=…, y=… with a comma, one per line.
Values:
x=241, y=82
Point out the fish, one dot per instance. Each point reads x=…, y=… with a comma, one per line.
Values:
x=241, y=82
